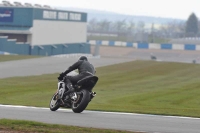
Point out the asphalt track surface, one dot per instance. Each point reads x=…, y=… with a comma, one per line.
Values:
x=49, y=65
x=107, y=120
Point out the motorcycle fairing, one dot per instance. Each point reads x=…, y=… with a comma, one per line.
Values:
x=88, y=82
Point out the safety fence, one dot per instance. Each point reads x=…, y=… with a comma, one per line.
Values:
x=146, y=45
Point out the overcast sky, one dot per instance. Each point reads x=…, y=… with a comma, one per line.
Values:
x=159, y=8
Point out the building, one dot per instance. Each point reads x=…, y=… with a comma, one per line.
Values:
x=41, y=30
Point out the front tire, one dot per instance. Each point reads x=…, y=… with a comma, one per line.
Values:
x=54, y=103
x=82, y=102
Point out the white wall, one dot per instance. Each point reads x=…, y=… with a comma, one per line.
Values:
x=178, y=46
x=29, y=38
x=56, y=32
x=154, y=46
x=197, y=47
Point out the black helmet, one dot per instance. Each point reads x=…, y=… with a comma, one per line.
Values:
x=83, y=58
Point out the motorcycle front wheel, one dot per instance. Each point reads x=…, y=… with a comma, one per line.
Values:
x=54, y=103
x=81, y=102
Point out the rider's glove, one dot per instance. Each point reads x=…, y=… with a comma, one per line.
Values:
x=61, y=76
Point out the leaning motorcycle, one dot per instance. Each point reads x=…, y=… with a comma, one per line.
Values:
x=78, y=100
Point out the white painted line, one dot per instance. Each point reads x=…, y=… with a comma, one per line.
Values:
x=19, y=106
x=26, y=107
x=121, y=113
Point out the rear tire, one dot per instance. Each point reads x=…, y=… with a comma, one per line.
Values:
x=54, y=104
x=82, y=103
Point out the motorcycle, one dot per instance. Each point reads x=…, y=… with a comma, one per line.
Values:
x=78, y=100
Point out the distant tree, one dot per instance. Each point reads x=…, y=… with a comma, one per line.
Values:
x=104, y=25
x=173, y=29
x=130, y=27
x=129, y=31
x=192, y=26
x=140, y=26
x=120, y=25
x=92, y=24
x=181, y=29
x=112, y=27
x=152, y=32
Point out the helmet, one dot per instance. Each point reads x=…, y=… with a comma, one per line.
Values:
x=83, y=58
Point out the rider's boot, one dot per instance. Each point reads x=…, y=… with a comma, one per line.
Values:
x=71, y=89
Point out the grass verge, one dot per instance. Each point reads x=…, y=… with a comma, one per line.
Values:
x=19, y=126
x=148, y=87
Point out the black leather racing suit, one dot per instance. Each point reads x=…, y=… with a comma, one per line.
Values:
x=84, y=68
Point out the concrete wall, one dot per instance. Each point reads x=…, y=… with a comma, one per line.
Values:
x=11, y=46
x=57, y=32
x=48, y=50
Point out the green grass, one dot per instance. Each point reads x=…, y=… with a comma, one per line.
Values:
x=109, y=38
x=16, y=57
x=126, y=39
x=158, y=40
x=20, y=126
x=148, y=87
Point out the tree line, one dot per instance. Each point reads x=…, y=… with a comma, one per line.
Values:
x=128, y=29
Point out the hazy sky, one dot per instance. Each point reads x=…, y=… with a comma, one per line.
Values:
x=159, y=8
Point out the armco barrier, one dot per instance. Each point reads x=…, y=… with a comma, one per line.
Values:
x=164, y=46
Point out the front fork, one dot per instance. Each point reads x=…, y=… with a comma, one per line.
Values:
x=61, y=89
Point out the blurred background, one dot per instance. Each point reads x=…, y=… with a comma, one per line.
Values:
x=65, y=27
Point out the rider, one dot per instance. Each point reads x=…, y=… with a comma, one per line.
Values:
x=85, y=68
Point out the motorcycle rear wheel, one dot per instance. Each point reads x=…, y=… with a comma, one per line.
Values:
x=82, y=102
x=54, y=103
